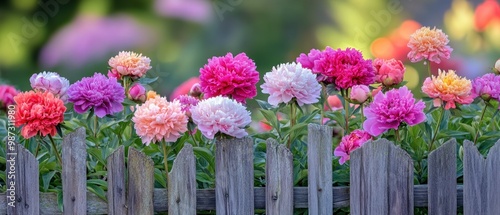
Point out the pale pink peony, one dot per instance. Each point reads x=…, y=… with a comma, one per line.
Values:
x=51, y=82
x=359, y=94
x=389, y=72
x=159, y=120
x=349, y=143
x=221, y=114
x=429, y=44
x=449, y=88
x=290, y=81
x=129, y=64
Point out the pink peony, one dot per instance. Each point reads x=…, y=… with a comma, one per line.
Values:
x=187, y=102
x=51, y=82
x=159, y=120
x=389, y=72
x=449, y=88
x=184, y=88
x=391, y=109
x=137, y=93
x=359, y=94
x=349, y=143
x=308, y=60
x=7, y=94
x=128, y=64
x=221, y=114
x=290, y=81
x=487, y=87
x=230, y=76
x=429, y=44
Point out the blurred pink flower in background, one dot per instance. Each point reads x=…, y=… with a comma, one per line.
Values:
x=389, y=72
x=184, y=88
x=429, y=44
x=90, y=38
x=191, y=10
x=334, y=103
x=349, y=143
x=7, y=94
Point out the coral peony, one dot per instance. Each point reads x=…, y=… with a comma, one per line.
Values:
x=429, y=44
x=391, y=109
x=487, y=87
x=187, y=102
x=334, y=103
x=221, y=114
x=7, y=94
x=389, y=72
x=290, y=81
x=359, y=94
x=184, y=88
x=448, y=87
x=52, y=82
x=159, y=120
x=349, y=143
x=137, y=93
x=235, y=77
x=104, y=95
x=128, y=64
x=38, y=113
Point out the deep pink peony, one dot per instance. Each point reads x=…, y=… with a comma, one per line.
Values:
x=487, y=87
x=235, y=77
x=7, y=94
x=221, y=114
x=389, y=72
x=349, y=143
x=288, y=81
x=98, y=92
x=391, y=109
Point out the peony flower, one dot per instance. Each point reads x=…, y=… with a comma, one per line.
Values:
x=448, y=87
x=429, y=44
x=389, y=72
x=7, y=94
x=391, y=109
x=487, y=87
x=137, y=93
x=151, y=94
x=184, y=88
x=307, y=61
x=187, y=102
x=221, y=114
x=159, y=120
x=235, y=77
x=104, y=95
x=359, y=94
x=334, y=103
x=290, y=81
x=38, y=113
x=195, y=90
x=349, y=143
x=497, y=67
x=52, y=82
x=128, y=64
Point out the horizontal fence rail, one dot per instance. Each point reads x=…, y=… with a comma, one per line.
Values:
x=381, y=181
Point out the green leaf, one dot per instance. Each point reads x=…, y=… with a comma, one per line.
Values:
x=60, y=200
x=469, y=128
x=271, y=117
x=97, y=154
x=46, y=178
x=264, y=105
x=146, y=81
x=97, y=190
x=161, y=178
x=98, y=182
x=205, y=154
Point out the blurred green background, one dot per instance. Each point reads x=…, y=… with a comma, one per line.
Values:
x=77, y=37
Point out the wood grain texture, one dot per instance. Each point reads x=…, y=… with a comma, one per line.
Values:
x=319, y=161
x=23, y=166
x=182, y=183
x=381, y=179
x=74, y=173
x=442, y=179
x=117, y=202
x=234, y=191
x=140, y=183
x=279, y=179
x=481, y=180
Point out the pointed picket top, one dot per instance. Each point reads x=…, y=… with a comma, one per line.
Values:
x=140, y=183
x=442, y=179
x=117, y=201
x=182, y=183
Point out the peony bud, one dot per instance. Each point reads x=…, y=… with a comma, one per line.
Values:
x=497, y=67
x=389, y=72
x=359, y=94
x=137, y=93
x=195, y=90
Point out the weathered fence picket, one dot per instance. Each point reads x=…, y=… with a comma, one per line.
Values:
x=279, y=179
x=117, y=202
x=481, y=180
x=74, y=173
x=182, y=183
x=442, y=183
x=234, y=176
x=381, y=179
x=140, y=183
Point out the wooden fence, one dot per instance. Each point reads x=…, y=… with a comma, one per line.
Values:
x=381, y=181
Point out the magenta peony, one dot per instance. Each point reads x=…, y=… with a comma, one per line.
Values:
x=51, y=82
x=230, y=76
x=137, y=93
x=288, y=81
x=349, y=143
x=391, y=109
x=221, y=114
x=159, y=120
x=389, y=72
x=487, y=87
x=104, y=95
x=7, y=94
x=359, y=94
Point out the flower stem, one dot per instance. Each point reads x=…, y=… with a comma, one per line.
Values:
x=325, y=104
x=479, y=124
x=37, y=149
x=346, y=131
x=292, y=123
x=55, y=149
x=165, y=157
x=437, y=129
x=398, y=138
x=95, y=128
x=362, y=113
x=428, y=67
